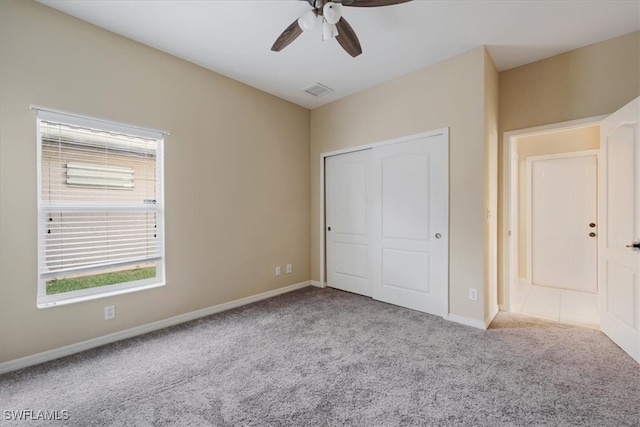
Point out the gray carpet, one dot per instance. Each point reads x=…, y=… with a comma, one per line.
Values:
x=319, y=357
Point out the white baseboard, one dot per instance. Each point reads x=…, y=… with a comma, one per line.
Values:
x=479, y=324
x=67, y=350
x=318, y=284
x=502, y=307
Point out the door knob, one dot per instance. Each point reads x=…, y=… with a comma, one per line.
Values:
x=592, y=224
x=592, y=234
x=329, y=228
x=634, y=246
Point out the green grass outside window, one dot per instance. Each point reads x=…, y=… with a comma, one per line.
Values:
x=57, y=286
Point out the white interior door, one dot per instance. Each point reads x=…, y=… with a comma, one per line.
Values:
x=410, y=224
x=563, y=203
x=348, y=219
x=619, y=194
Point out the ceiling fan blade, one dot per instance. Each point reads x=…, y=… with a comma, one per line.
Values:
x=347, y=38
x=288, y=35
x=372, y=3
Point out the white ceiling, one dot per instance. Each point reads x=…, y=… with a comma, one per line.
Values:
x=234, y=38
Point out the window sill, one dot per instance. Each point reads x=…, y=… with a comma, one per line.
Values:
x=105, y=294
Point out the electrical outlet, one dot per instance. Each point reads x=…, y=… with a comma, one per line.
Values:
x=473, y=294
x=277, y=270
x=289, y=269
x=109, y=312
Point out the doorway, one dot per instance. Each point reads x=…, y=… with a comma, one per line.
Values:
x=540, y=277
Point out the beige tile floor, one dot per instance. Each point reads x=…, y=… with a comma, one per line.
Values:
x=578, y=308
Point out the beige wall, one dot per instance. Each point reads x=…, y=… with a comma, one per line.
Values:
x=565, y=141
x=490, y=187
x=448, y=94
x=587, y=82
x=236, y=168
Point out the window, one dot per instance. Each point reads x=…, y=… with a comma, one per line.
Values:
x=100, y=208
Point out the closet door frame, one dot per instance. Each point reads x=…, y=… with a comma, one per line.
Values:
x=322, y=219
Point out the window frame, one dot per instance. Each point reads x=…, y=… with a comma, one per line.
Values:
x=63, y=298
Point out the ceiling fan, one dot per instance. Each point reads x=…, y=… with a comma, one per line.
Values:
x=333, y=23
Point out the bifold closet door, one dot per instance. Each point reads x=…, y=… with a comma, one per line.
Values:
x=348, y=219
x=410, y=224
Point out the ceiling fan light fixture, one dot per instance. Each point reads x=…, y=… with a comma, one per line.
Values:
x=307, y=21
x=332, y=12
x=329, y=31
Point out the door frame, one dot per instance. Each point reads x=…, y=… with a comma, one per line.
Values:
x=322, y=224
x=509, y=242
x=529, y=198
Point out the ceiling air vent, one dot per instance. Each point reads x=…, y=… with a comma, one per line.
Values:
x=318, y=90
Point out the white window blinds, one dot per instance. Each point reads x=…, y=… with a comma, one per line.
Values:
x=92, y=175
x=100, y=196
